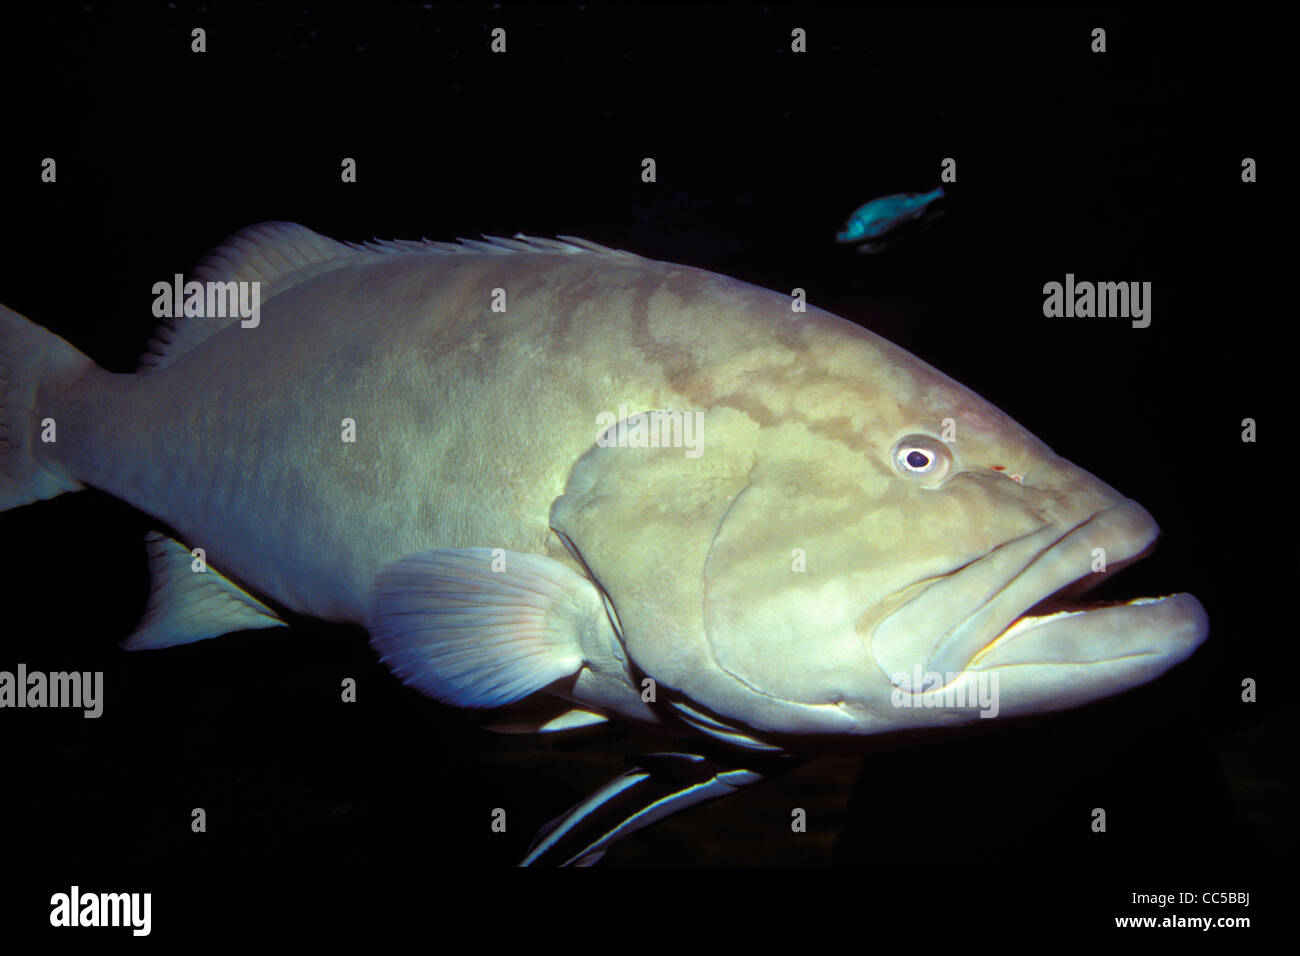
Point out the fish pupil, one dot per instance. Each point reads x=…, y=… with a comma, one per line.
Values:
x=917, y=459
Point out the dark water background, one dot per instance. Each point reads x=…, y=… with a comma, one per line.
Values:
x=1122, y=167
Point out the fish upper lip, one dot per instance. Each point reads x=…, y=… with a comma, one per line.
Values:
x=1125, y=531
x=1026, y=572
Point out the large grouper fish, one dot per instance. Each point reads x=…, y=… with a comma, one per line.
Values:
x=651, y=492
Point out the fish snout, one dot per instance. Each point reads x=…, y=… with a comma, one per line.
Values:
x=1008, y=611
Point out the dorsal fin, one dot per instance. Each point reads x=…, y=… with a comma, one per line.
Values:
x=279, y=255
x=497, y=246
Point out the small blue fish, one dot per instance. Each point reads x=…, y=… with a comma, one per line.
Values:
x=882, y=216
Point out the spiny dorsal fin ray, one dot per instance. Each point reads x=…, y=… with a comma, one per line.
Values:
x=497, y=246
x=281, y=255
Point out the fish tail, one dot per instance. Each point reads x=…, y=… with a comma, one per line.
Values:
x=33, y=361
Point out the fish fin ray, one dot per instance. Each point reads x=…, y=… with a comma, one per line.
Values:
x=279, y=255
x=546, y=723
x=186, y=606
x=595, y=247
x=449, y=625
x=519, y=244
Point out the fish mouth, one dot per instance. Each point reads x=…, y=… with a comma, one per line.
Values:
x=1066, y=603
x=1055, y=619
x=1019, y=608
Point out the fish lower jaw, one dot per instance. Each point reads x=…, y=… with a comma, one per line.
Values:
x=1051, y=610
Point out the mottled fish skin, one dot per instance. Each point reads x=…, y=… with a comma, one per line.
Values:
x=476, y=430
x=876, y=219
x=468, y=422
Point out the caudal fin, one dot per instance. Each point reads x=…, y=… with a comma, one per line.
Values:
x=31, y=359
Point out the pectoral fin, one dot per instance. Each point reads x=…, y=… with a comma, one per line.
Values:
x=480, y=627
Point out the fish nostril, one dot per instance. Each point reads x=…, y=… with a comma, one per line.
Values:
x=1002, y=470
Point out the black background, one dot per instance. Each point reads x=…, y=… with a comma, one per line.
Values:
x=1122, y=166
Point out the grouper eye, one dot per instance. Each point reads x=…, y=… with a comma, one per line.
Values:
x=922, y=457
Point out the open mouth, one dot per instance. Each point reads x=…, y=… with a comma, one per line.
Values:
x=1053, y=612
x=1034, y=614
x=1069, y=602
x=1145, y=634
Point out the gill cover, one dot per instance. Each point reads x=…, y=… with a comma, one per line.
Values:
x=735, y=576
x=642, y=521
